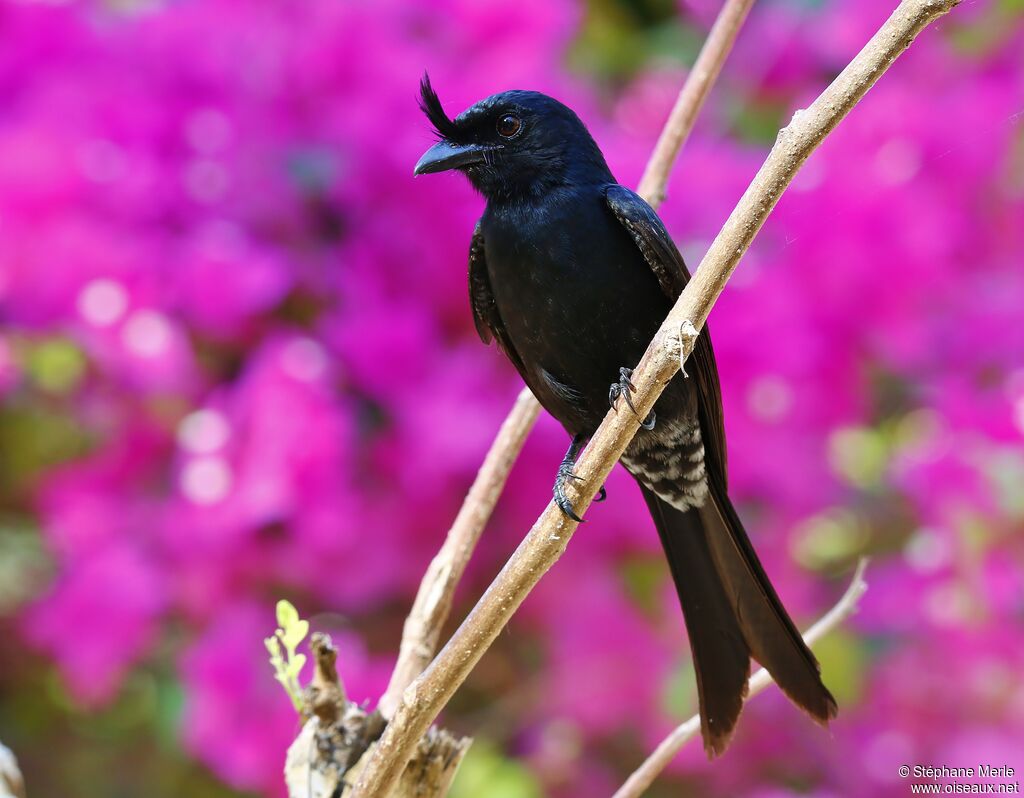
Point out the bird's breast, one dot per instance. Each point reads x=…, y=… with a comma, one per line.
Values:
x=575, y=296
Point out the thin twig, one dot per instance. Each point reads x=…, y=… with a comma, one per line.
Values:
x=684, y=114
x=550, y=535
x=644, y=776
x=433, y=601
x=325, y=697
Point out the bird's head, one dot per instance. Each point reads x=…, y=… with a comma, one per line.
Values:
x=512, y=145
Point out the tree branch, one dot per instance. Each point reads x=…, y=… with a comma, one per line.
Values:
x=644, y=776
x=684, y=114
x=328, y=755
x=546, y=541
x=433, y=601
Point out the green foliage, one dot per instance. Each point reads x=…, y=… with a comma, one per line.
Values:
x=831, y=538
x=859, y=455
x=988, y=31
x=618, y=38
x=35, y=435
x=680, y=691
x=1005, y=470
x=125, y=749
x=56, y=365
x=843, y=661
x=644, y=577
x=287, y=664
x=485, y=771
x=755, y=120
x=24, y=564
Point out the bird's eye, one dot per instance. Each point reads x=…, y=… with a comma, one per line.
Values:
x=509, y=125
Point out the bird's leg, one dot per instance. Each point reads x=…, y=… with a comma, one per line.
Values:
x=565, y=473
x=625, y=388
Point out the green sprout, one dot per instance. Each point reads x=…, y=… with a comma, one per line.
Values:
x=291, y=631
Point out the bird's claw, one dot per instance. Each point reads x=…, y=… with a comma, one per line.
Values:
x=564, y=475
x=624, y=388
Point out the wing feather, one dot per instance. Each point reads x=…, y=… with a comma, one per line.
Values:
x=481, y=298
x=663, y=258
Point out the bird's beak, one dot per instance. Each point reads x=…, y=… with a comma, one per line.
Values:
x=444, y=156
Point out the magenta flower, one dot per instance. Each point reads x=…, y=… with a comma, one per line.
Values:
x=99, y=619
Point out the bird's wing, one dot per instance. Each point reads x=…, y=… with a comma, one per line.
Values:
x=485, y=312
x=661, y=255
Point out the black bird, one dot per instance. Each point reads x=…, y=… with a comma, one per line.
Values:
x=572, y=274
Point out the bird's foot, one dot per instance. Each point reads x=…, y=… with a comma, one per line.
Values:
x=624, y=388
x=563, y=502
x=565, y=473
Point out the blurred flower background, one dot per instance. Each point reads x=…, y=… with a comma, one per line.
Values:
x=237, y=364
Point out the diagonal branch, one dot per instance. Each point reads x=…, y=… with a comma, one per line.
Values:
x=644, y=776
x=437, y=590
x=684, y=114
x=548, y=538
x=433, y=602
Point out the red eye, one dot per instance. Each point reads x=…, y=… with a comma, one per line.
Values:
x=509, y=125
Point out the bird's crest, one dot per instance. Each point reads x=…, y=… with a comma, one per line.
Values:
x=430, y=104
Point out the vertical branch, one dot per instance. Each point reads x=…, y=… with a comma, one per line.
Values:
x=644, y=776
x=548, y=538
x=684, y=113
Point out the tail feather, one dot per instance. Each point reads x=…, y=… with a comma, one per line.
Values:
x=721, y=656
x=732, y=612
x=774, y=639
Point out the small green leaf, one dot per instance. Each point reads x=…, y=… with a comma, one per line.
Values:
x=287, y=664
x=295, y=634
x=286, y=614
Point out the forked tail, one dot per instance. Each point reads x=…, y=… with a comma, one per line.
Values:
x=732, y=612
